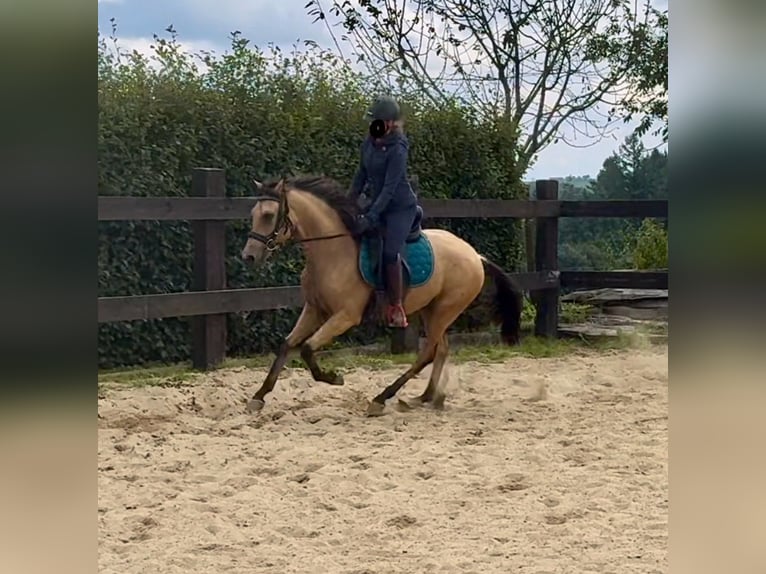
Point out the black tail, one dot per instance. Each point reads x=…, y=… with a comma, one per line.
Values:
x=508, y=303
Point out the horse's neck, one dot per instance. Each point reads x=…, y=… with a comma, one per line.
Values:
x=316, y=219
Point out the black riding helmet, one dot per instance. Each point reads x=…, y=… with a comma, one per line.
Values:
x=384, y=108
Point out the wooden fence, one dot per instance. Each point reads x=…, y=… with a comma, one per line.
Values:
x=209, y=208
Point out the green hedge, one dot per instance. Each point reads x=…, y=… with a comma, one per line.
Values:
x=259, y=114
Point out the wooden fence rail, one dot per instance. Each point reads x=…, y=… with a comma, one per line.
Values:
x=210, y=300
x=229, y=208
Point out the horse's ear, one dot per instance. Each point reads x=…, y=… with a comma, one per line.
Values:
x=258, y=185
x=280, y=187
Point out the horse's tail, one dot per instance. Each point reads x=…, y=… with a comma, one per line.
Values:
x=508, y=302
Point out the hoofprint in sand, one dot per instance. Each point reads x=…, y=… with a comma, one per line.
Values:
x=534, y=466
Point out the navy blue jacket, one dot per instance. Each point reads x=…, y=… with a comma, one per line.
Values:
x=384, y=167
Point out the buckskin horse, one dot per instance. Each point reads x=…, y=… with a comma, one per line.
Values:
x=443, y=274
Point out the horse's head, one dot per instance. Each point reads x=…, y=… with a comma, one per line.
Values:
x=271, y=225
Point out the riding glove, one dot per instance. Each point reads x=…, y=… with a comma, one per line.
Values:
x=364, y=223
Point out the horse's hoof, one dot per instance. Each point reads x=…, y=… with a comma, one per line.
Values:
x=255, y=405
x=375, y=409
x=337, y=380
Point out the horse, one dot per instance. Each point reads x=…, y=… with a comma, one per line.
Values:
x=443, y=275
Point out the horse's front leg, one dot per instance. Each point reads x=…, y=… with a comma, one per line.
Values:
x=336, y=325
x=307, y=323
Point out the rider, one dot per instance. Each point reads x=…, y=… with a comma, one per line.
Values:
x=383, y=166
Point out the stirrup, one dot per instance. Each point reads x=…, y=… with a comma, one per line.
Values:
x=391, y=314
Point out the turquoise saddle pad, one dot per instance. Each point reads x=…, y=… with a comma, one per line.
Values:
x=418, y=262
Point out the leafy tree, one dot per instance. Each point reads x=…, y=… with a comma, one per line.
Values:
x=547, y=67
x=644, y=54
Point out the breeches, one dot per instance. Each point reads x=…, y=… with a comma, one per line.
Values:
x=397, y=227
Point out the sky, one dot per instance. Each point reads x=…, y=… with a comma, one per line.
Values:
x=207, y=24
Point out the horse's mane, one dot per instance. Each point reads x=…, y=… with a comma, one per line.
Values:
x=325, y=188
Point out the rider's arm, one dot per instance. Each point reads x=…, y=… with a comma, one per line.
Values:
x=395, y=171
x=360, y=178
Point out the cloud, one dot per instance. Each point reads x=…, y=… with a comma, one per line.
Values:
x=262, y=21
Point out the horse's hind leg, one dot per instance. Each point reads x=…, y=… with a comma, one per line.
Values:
x=432, y=394
x=439, y=315
x=424, y=358
x=439, y=359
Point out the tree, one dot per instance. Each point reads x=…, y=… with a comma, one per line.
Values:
x=645, y=57
x=550, y=68
x=644, y=173
x=612, y=243
x=650, y=73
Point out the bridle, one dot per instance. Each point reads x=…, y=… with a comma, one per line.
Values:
x=283, y=224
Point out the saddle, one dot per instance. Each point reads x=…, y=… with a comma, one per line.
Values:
x=375, y=247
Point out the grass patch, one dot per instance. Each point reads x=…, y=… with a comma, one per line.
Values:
x=164, y=375
x=179, y=375
x=574, y=312
x=534, y=347
x=569, y=312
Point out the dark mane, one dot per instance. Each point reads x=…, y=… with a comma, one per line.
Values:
x=326, y=189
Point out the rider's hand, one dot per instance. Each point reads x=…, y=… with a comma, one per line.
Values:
x=363, y=224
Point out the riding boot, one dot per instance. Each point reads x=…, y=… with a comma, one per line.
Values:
x=394, y=287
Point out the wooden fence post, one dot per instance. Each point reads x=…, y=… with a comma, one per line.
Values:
x=209, y=331
x=546, y=259
x=406, y=340
x=529, y=227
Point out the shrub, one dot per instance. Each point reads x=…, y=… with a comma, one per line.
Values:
x=650, y=246
x=257, y=114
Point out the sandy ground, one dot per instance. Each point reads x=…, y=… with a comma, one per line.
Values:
x=535, y=466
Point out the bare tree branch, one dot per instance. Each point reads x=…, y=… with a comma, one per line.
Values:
x=546, y=66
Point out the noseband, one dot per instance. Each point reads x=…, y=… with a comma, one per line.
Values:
x=283, y=223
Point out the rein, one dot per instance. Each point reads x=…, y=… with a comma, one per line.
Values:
x=284, y=224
